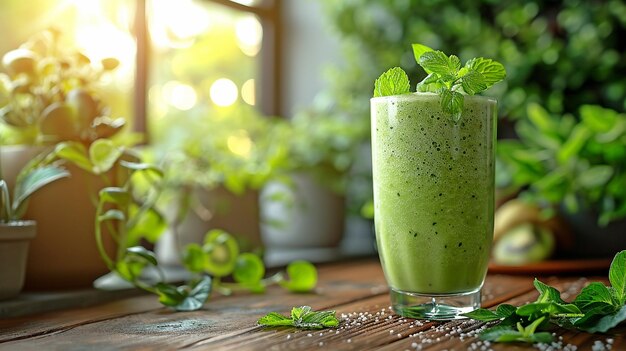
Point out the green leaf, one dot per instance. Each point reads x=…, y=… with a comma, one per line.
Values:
x=598, y=119
x=169, y=295
x=419, y=50
x=249, y=269
x=607, y=322
x=595, y=176
x=592, y=295
x=617, y=276
x=112, y=215
x=541, y=118
x=492, y=71
x=75, y=153
x=142, y=167
x=115, y=195
x=221, y=251
x=473, y=82
x=438, y=62
x=193, y=258
x=103, y=154
x=195, y=299
x=298, y=312
x=392, y=82
x=302, y=277
x=31, y=182
x=579, y=136
x=142, y=253
x=482, y=314
x=506, y=310
x=149, y=225
x=547, y=293
x=274, y=319
x=452, y=103
x=593, y=315
x=129, y=269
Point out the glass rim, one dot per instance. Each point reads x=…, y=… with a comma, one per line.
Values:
x=429, y=94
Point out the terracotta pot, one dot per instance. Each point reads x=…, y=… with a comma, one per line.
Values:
x=64, y=255
x=311, y=216
x=215, y=209
x=14, y=240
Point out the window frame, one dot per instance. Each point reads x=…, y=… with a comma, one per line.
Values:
x=268, y=88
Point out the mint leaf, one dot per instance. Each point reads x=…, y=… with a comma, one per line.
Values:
x=547, y=293
x=617, y=276
x=507, y=334
x=592, y=316
x=393, y=82
x=607, y=322
x=452, y=103
x=301, y=317
x=505, y=310
x=593, y=295
x=437, y=62
x=419, y=50
x=492, y=71
x=274, y=319
x=482, y=314
x=473, y=82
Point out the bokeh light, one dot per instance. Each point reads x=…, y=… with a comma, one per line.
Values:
x=240, y=144
x=248, y=93
x=179, y=95
x=224, y=92
x=249, y=34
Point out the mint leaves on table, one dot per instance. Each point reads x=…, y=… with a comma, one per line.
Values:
x=445, y=77
x=597, y=308
x=301, y=317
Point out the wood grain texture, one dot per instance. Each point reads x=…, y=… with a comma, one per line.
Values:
x=356, y=290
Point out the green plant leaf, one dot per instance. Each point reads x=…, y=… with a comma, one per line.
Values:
x=617, y=277
x=393, y=82
x=195, y=299
x=75, y=153
x=437, y=62
x=419, y=50
x=598, y=119
x=592, y=295
x=249, y=269
x=143, y=254
x=572, y=146
x=274, y=319
x=33, y=181
x=193, y=258
x=142, y=167
x=103, y=154
x=547, y=293
x=505, y=310
x=112, y=215
x=607, y=322
x=482, y=314
x=473, y=82
x=491, y=71
x=452, y=103
x=150, y=225
x=540, y=118
x=221, y=251
x=302, y=277
x=115, y=195
x=595, y=176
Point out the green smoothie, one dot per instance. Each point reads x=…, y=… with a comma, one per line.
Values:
x=433, y=191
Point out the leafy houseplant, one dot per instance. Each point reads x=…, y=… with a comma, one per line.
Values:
x=306, y=207
x=574, y=164
x=15, y=233
x=48, y=95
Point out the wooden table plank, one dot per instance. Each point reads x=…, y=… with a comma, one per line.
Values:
x=354, y=289
x=161, y=327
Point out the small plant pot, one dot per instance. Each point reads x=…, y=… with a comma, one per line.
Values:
x=14, y=241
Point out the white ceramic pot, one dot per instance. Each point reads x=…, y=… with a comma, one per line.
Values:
x=14, y=241
x=302, y=215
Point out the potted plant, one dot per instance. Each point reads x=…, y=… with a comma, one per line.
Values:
x=213, y=174
x=47, y=96
x=15, y=233
x=574, y=166
x=307, y=211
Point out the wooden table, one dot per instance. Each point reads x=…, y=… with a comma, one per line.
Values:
x=354, y=289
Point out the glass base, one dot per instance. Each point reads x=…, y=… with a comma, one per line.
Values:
x=434, y=306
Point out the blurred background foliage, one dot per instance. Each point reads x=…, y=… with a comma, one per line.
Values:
x=559, y=54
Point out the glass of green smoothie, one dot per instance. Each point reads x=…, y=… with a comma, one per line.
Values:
x=433, y=175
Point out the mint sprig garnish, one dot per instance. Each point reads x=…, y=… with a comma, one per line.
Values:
x=597, y=308
x=301, y=317
x=393, y=82
x=445, y=77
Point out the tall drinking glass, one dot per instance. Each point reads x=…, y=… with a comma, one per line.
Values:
x=433, y=201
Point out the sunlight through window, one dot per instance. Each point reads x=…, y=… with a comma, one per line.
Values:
x=224, y=92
